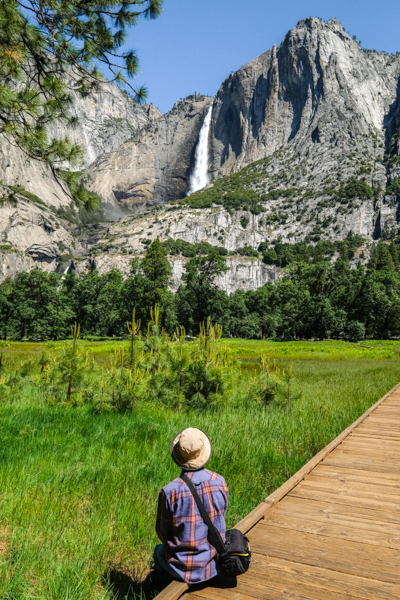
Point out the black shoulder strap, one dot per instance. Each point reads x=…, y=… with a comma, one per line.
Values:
x=215, y=535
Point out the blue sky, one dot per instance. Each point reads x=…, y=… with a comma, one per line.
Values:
x=193, y=45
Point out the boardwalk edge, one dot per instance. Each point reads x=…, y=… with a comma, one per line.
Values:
x=176, y=589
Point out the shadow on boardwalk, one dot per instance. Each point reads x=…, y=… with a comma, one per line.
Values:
x=126, y=586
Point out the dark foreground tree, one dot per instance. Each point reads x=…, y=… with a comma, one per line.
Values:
x=157, y=273
x=49, y=48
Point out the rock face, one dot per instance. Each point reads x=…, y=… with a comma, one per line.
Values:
x=244, y=274
x=297, y=125
x=106, y=118
x=17, y=169
x=155, y=167
x=32, y=235
x=318, y=89
x=216, y=226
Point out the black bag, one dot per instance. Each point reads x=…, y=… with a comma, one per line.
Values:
x=234, y=555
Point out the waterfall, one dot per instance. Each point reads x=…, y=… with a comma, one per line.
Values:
x=199, y=176
x=63, y=276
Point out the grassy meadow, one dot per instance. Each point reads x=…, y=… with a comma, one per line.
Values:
x=78, y=490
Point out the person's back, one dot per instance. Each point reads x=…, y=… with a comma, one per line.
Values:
x=186, y=552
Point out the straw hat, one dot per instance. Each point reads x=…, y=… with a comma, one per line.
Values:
x=191, y=449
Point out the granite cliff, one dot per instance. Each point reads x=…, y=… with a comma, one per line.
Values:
x=155, y=167
x=303, y=145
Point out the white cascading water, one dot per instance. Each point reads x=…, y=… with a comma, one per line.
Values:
x=199, y=176
x=63, y=276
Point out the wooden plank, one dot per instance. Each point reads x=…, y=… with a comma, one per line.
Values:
x=386, y=496
x=298, y=574
x=176, y=589
x=374, y=448
x=374, y=452
x=366, y=464
x=393, y=408
x=382, y=420
x=379, y=424
x=389, y=459
x=367, y=489
x=247, y=591
x=377, y=436
x=357, y=439
x=322, y=511
x=377, y=432
x=329, y=553
x=173, y=591
x=393, y=401
x=387, y=424
x=308, y=519
x=266, y=587
x=365, y=435
x=270, y=588
x=211, y=593
x=357, y=475
x=350, y=500
x=372, y=519
x=387, y=419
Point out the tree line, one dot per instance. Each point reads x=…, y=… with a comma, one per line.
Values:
x=315, y=298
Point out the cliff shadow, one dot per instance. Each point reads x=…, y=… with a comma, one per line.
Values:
x=227, y=128
x=258, y=104
x=391, y=125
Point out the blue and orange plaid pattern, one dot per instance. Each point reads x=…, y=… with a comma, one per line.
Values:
x=181, y=528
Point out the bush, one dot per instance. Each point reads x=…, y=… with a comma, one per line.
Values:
x=247, y=251
x=283, y=255
x=394, y=187
x=355, y=331
x=356, y=189
x=181, y=247
x=203, y=199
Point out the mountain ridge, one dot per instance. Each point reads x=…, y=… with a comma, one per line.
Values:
x=303, y=146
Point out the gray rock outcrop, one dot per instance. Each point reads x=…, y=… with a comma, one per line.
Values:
x=106, y=117
x=242, y=274
x=318, y=89
x=154, y=168
x=32, y=235
x=17, y=169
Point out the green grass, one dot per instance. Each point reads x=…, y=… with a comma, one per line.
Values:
x=330, y=350
x=78, y=491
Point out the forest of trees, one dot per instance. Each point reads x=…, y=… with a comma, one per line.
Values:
x=315, y=298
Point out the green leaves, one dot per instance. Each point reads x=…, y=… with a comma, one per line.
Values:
x=54, y=51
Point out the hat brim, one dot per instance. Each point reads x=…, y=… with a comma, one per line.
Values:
x=197, y=463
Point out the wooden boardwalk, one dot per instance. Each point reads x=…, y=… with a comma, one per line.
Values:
x=332, y=531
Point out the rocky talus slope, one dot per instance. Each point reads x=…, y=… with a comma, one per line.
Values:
x=303, y=145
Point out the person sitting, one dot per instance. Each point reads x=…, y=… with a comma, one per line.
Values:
x=186, y=553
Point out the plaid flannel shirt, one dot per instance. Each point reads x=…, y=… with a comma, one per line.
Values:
x=182, y=530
